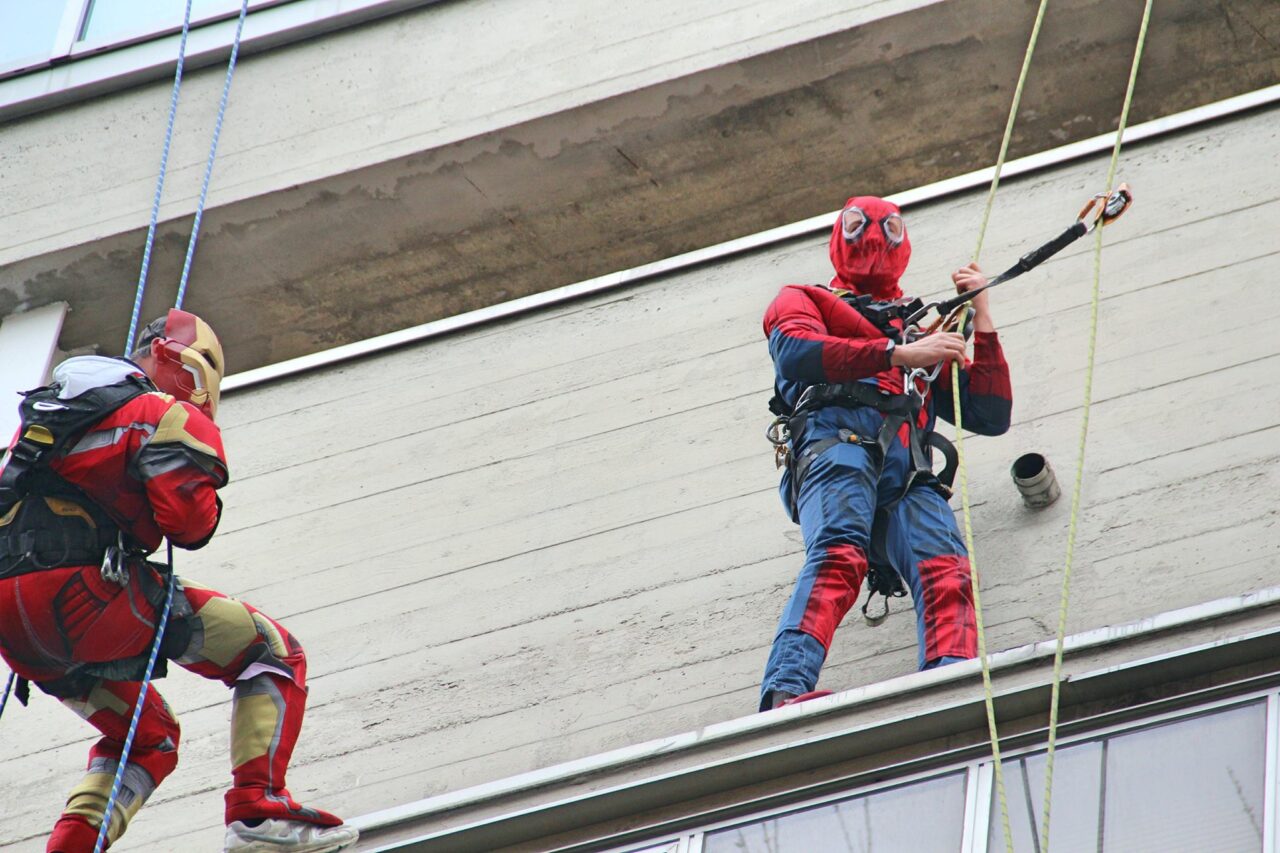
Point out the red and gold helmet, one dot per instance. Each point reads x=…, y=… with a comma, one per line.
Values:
x=182, y=356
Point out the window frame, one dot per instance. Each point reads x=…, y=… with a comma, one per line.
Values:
x=68, y=46
x=979, y=778
x=78, y=71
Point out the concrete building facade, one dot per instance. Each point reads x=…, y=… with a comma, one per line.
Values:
x=534, y=547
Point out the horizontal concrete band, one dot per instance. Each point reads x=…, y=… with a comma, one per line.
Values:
x=753, y=763
x=814, y=225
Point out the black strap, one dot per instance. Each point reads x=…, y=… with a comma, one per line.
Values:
x=947, y=475
x=855, y=394
x=1027, y=262
x=37, y=537
x=898, y=409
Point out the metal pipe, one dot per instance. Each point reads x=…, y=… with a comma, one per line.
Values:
x=1034, y=477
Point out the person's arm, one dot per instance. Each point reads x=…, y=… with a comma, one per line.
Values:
x=804, y=349
x=181, y=465
x=986, y=393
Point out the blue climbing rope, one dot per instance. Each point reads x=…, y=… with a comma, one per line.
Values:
x=8, y=686
x=122, y=764
x=213, y=151
x=103, y=827
x=164, y=167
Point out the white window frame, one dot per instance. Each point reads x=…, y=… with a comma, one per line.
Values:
x=68, y=45
x=28, y=347
x=75, y=70
x=980, y=779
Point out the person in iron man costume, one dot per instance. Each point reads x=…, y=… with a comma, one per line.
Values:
x=153, y=466
x=817, y=337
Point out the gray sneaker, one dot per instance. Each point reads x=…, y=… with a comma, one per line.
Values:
x=288, y=836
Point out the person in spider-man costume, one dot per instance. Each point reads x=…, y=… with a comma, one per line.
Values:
x=818, y=337
x=78, y=620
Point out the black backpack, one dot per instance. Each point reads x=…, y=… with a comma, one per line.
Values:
x=46, y=521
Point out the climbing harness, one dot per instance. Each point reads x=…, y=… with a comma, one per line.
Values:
x=788, y=427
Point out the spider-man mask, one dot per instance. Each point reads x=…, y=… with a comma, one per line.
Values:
x=869, y=247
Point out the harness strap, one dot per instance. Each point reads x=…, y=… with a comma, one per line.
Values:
x=898, y=409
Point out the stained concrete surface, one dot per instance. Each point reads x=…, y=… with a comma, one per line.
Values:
x=892, y=103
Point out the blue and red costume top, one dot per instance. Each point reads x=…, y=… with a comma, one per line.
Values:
x=816, y=337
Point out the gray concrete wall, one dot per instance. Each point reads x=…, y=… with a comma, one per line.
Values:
x=417, y=81
x=543, y=539
x=480, y=150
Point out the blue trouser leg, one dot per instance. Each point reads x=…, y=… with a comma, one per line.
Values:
x=837, y=504
x=927, y=551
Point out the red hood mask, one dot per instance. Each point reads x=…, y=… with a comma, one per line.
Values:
x=869, y=248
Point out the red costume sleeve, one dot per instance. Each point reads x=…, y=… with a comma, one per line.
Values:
x=181, y=465
x=814, y=337
x=986, y=393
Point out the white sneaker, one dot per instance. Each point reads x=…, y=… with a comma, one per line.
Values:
x=288, y=836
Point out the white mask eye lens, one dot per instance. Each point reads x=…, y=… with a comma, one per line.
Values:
x=894, y=229
x=852, y=223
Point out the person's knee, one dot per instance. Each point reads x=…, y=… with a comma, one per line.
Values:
x=234, y=641
x=947, y=579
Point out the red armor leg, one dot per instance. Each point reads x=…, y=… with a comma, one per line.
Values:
x=266, y=717
x=234, y=642
x=154, y=754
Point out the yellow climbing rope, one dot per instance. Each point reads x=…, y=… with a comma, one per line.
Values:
x=1084, y=432
x=961, y=469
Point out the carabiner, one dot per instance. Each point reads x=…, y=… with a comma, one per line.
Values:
x=114, y=569
x=777, y=432
x=909, y=381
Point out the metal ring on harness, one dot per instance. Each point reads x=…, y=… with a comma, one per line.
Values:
x=778, y=432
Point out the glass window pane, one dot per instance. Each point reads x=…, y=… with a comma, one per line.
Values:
x=1077, y=772
x=109, y=20
x=923, y=817
x=28, y=31
x=1193, y=784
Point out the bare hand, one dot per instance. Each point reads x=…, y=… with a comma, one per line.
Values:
x=929, y=350
x=971, y=277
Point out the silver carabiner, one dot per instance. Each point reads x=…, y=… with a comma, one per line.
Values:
x=114, y=568
x=777, y=432
x=909, y=381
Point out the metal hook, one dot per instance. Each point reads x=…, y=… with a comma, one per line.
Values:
x=777, y=432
